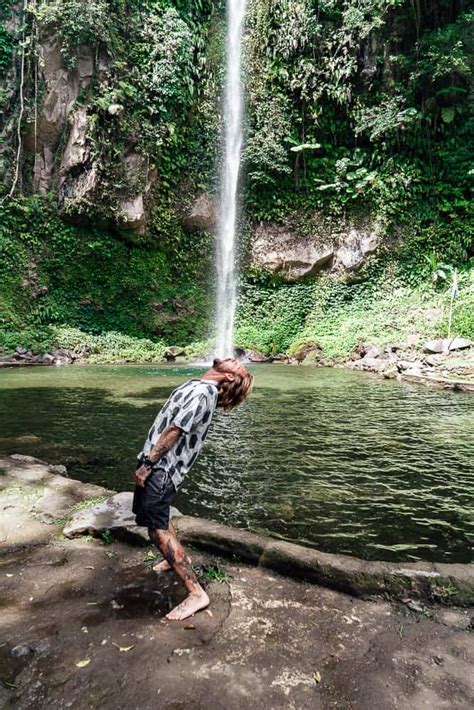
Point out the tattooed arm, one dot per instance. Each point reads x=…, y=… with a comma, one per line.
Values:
x=165, y=443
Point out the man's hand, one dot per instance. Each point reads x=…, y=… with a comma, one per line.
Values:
x=167, y=440
x=141, y=474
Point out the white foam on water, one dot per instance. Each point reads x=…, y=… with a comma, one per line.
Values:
x=226, y=294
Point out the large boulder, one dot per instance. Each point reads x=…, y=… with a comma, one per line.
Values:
x=355, y=246
x=254, y=356
x=444, y=345
x=294, y=253
x=306, y=349
x=202, y=216
x=114, y=514
x=278, y=251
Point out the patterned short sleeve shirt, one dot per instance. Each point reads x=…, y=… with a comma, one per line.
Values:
x=189, y=407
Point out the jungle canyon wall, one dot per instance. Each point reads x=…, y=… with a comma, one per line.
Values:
x=358, y=143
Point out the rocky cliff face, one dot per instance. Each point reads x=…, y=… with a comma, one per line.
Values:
x=285, y=252
x=59, y=141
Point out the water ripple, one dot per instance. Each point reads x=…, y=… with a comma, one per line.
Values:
x=328, y=458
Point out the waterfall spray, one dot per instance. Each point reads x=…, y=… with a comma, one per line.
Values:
x=233, y=111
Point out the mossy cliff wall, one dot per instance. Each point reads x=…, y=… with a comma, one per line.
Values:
x=356, y=167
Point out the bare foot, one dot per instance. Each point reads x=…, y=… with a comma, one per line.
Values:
x=165, y=566
x=162, y=566
x=192, y=604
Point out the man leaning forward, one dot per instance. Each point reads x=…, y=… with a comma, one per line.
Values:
x=172, y=446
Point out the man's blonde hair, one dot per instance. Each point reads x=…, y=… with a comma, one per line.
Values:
x=234, y=392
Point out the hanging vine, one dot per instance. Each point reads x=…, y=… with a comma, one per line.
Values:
x=23, y=45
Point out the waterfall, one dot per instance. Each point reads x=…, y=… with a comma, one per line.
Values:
x=226, y=295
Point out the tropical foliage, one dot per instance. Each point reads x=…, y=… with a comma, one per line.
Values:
x=354, y=107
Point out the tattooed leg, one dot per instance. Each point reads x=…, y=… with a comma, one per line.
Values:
x=164, y=565
x=174, y=554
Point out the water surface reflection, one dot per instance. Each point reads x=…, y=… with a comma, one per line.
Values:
x=330, y=458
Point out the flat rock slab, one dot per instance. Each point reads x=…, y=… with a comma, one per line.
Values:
x=34, y=500
x=113, y=514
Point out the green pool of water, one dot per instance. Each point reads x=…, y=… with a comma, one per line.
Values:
x=328, y=458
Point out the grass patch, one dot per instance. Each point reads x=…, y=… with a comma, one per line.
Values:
x=150, y=559
x=211, y=573
x=88, y=503
x=107, y=538
x=337, y=315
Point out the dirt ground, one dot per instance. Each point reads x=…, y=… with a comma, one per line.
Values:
x=82, y=627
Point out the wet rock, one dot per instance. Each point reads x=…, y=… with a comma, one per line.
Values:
x=433, y=360
x=393, y=348
x=403, y=365
x=42, y=646
x=259, y=357
x=460, y=344
x=436, y=346
x=413, y=371
x=173, y=352
x=114, y=514
x=444, y=345
x=47, y=359
x=305, y=350
x=62, y=356
x=240, y=353
x=372, y=353
x=202, y=216
x=281, y=357
x=372, y=364
x=58, y=469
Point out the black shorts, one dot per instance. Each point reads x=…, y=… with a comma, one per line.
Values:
x=151, y=504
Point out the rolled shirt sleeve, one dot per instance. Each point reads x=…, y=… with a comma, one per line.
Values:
x=190, y=413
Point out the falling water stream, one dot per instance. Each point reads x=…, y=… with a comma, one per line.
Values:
x=226, y=235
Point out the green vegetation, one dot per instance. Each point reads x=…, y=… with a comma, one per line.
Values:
x=107, y=537
x=211, y=573
x=355, y=109
x=52, y=273
x=338, y=315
